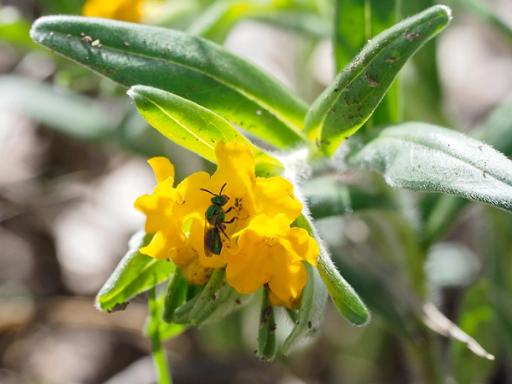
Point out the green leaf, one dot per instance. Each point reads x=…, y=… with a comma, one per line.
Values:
x=135, y=273
x=192, y=126
x=169, y=331
x=349, y=102
x=175, y=295
x=201, y=308
x=215, y=301
x=327, y=196
x=155, y=325
x=495, y=131
x=310, y=314
x=343, y=296
x=356, y=23
x=70, y=113
x=384, y=14
x=185, y=65
x=427, y=104
x=346, y=300
x=267, y=330
x=423, y=157
x=226, y=301
x=351, y=30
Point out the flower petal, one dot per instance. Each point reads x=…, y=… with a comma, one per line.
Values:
x=304, y=245
x=158, y=211
x=275, y=196
x=289, y=277
x=160, y=247
x=248, y=269
x=162, y=168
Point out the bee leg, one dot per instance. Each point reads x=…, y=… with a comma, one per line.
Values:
x=220, y=228
x=230, y=221
x=229, y=209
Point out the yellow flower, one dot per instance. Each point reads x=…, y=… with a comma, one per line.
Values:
x=128, y=10
x=270, y=252
x=258, y=245
x=172, y=239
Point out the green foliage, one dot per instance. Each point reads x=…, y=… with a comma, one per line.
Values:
x=342, y=294
x=175, y=296
x=135, y=273
x=327, y=196
x=308, y=319
x=423, y=157
x=192, y=126
x=495, y=131
x=154, y=324
x=267, y=330
x=185, y=65
x=214, y=302
x=196, y=94
x=349, y=102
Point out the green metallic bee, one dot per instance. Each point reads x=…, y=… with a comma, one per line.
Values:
x=215, y=222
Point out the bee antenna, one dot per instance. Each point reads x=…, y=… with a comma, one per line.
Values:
x=223, y=186
x=205, y=190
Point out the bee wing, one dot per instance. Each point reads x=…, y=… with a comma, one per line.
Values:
x=206, y=245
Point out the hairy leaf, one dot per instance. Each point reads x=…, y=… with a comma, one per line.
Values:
x=135, y=273
x=424, y=157
x=495, y=131
x=186, y=65
x=343, y=296
x=267, y=330
x=310, y=313
x=349, y=102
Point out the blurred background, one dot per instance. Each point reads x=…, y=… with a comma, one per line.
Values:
x=72, y=161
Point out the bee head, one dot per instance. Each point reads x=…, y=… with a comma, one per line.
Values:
x=220, y=200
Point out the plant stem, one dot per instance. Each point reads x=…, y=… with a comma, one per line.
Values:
x=157, y=351
x=160, y=360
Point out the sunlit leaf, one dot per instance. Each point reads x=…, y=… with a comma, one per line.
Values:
x=349, y=102
x=192, y=126
x=135, y=273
